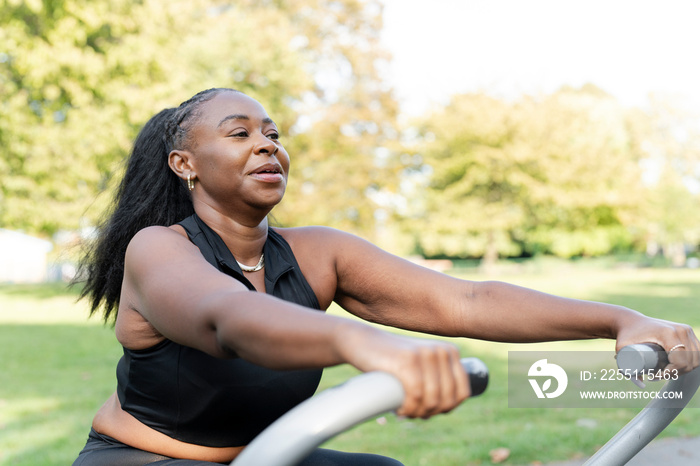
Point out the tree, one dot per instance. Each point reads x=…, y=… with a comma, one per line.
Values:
x=536, y=175
x=591, y=173
x=343, y=152
x=670, y=140
x=478, y=183
x=672, y=219
x=82, y=77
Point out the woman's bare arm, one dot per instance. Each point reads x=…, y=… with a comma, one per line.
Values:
x=186, y=300
x=380, y=287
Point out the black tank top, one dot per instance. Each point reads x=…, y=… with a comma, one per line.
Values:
x=197, y=398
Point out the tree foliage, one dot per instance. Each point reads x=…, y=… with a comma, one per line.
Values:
x=555, y=174
x=80, y=78
x=478, y=186
x=341, y=153
x=569, y=173
x=668, y=216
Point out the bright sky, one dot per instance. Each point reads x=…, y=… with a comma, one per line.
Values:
x=507, y=47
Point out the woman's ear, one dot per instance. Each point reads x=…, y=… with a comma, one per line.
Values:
x=181, y=163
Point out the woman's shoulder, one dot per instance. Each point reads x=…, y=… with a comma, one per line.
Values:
x=319, y=242
x=314, y=251
x=311, y=233
x=157, y=241
x=156, y=233
x=316, y=238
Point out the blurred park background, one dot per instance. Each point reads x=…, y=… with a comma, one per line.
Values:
x=488, y=138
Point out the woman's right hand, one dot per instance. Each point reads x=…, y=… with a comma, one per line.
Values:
x=429, y=370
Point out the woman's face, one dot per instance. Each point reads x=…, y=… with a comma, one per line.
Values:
x=237, y=155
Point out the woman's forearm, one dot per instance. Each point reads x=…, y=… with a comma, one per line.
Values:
x=279, y=334
x=502, y=312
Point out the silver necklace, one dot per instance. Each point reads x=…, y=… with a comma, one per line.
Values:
x=254, y=268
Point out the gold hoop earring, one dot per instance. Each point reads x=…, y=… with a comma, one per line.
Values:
x=190, y=182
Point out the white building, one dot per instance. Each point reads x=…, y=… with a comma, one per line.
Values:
x=23, y=258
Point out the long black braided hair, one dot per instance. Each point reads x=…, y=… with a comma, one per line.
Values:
x=149, y=194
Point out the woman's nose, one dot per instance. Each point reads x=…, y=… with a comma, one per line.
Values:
x=265, y=146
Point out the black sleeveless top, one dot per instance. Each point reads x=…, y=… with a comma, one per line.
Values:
x=197, y=398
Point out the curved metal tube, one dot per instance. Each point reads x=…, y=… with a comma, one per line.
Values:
x=295, y=435
x=655, y=417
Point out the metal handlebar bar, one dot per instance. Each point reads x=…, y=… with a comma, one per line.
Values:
x=295, y=435
x=656, y=416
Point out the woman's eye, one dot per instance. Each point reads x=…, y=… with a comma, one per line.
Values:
x=274, y=136
x=240, y=134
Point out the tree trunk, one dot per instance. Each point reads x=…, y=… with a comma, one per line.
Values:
x=488, y=262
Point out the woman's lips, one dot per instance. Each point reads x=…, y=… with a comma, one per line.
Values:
x=268, y=177
x=268, y=173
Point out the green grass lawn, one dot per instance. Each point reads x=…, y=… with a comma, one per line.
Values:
x=57, y=368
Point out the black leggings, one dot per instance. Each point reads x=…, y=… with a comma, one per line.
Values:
x=101, y=450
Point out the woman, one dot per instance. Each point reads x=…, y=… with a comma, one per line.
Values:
x=219, y=314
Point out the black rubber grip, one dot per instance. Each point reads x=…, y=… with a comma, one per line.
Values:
x=478, y=375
